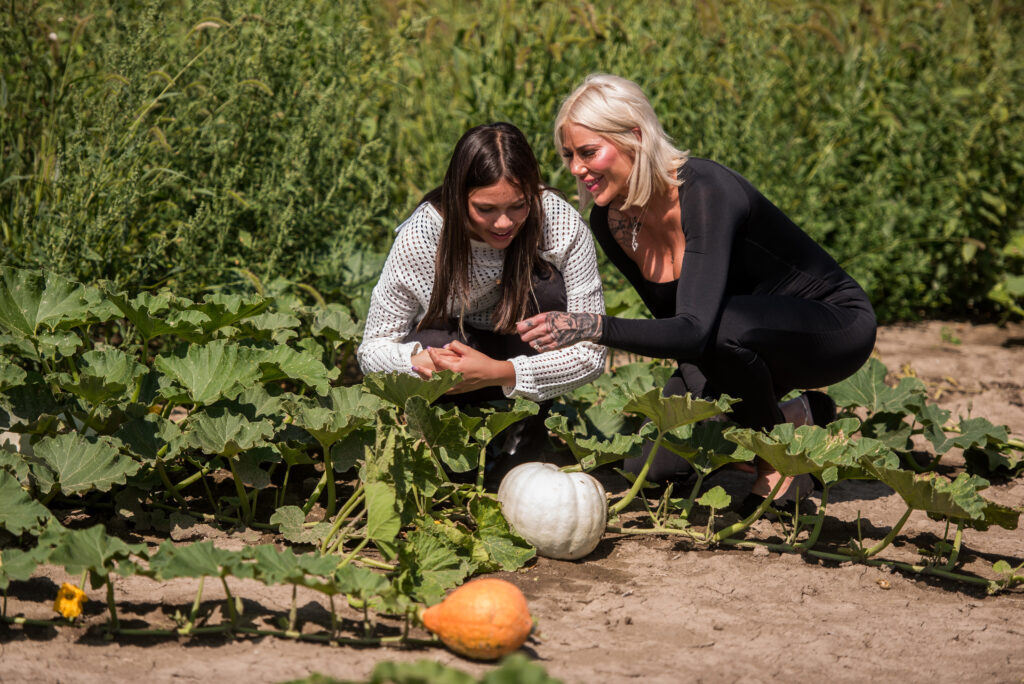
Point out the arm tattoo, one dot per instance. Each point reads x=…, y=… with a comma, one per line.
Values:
x=620, y=227
x=569, y=328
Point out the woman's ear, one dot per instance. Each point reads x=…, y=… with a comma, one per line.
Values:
x=638, y=134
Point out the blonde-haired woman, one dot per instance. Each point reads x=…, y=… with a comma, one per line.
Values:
x=743, y=300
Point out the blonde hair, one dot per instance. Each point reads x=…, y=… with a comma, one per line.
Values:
x=613, y=107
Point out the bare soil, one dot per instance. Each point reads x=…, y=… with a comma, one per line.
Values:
x=652, y=609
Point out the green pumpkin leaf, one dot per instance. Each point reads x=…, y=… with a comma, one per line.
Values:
x=396, y=388
x=973, y=432
x=506, y=549
x=496, y=421
x=220, y=431
x=17, y=565
x=151, y=436
x=32, y=302
x=957, y=499
x=715, y=498
x=432, y=565
x=336, y=325
x=91, y=549
x=248, y=466
x=12, y=461
x=104, y=376
x=344, y=410
x=78, y=464
x=19, y=512
x=281, y=362
x=290, y=523
x=284, y=566
x=208, y=372
x=10, y=374
x=225, y=310
x=433, y=672
x=199, y=559
x=153, y=315
x=705, y=447
x=382, y=520
x=669, y=413
x=362, y=583
x=444, y=431
x=867, y=388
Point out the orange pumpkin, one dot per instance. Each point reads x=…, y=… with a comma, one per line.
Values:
x=483, y=619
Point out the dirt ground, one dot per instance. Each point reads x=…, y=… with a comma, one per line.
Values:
x=655, y=609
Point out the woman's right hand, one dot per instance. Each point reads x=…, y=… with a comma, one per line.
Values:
x=423, y=365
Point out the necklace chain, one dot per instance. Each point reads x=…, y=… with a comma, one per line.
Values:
x=635, y=227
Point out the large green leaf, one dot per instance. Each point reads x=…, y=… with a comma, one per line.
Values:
x=972, y=432
x=208, y=372
x=10, y=374
x=31, y=302
x=91, y=549
x=199, y=559
x=431, y=566
x=284, y=566
x=705, y=447
x=669, y=413
x=344, y=410
x=19, y=512
x=396, y=388
x=151, y=436
x=17, y=565
x=445, y=433
x=153, y=315
x=361, y=583
x=336, y=324
x=78, y=464
x=281, y=362
x=867, y=388
x=382, y=519
x=290, y=521
x=218, y=430
x=958, y=499
x=506, y=549
x=109, y=375
x=496, y=421
x=223, y=310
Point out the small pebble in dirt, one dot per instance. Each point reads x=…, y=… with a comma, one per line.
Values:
x=760, y=552
x=884, y=584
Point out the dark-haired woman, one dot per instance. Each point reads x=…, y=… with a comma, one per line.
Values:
x=743, y=300
x=487, y=249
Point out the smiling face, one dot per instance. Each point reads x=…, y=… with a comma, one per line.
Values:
x=496, y=213
x=599, y=165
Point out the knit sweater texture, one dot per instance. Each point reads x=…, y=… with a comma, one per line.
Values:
x=401, y=296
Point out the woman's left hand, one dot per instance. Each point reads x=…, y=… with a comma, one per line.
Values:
x=478, y=370
x=556, y=329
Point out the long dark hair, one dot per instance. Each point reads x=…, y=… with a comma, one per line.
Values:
x=484, y=156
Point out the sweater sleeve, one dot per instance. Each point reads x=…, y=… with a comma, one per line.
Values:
x=400, y=296
x=714, y=210
x=569, y=248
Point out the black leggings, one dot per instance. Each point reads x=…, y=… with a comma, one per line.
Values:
x=765, y=346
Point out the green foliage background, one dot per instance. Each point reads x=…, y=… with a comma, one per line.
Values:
x=210, y=145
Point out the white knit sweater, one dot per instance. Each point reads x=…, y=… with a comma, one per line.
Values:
x=401, y=296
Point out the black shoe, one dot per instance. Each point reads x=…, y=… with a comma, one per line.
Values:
x=823, y=407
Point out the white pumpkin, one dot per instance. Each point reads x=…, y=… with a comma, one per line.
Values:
x=562, y=514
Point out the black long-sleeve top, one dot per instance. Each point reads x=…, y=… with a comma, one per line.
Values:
x=737, y=243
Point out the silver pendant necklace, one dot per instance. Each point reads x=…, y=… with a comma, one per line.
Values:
x=635, y=227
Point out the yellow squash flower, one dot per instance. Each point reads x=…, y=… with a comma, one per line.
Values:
x=69, y=601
